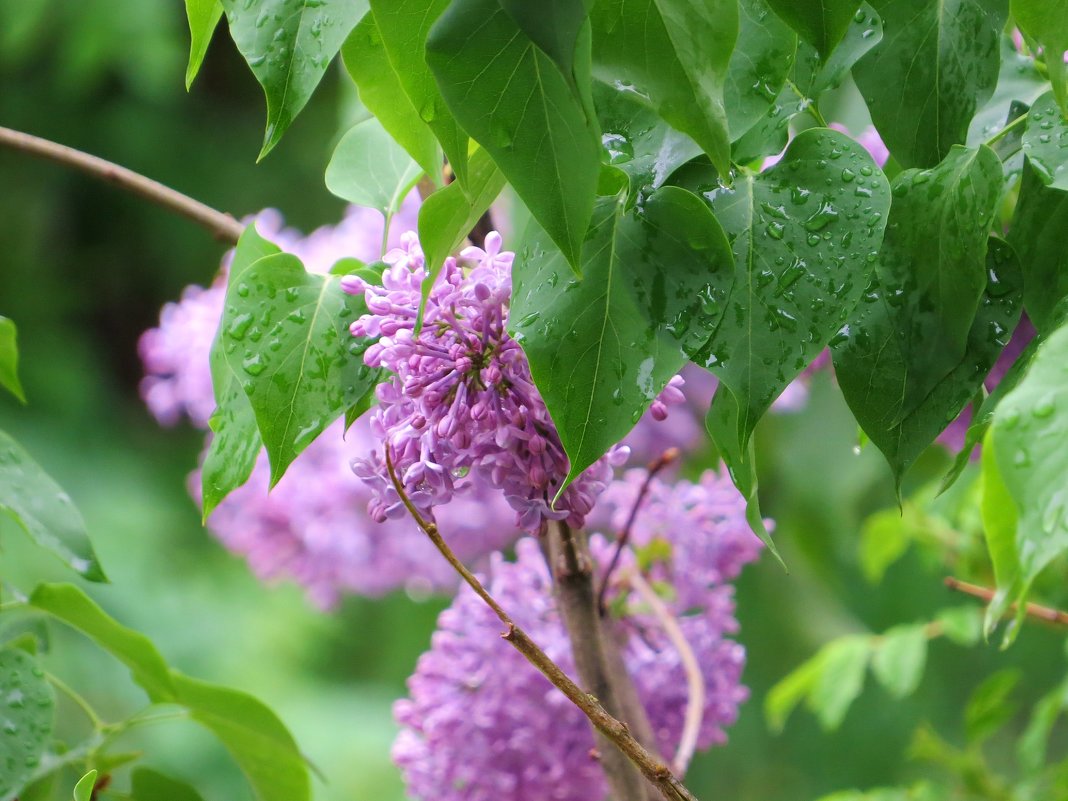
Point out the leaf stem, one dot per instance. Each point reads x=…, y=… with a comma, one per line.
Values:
x=77, y=698
x=652, y=768
x=1043, y=613
x=222, y=226
x=1018, y=121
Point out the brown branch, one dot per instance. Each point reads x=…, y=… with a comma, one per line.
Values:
x=617, y=732
x=222, y=226
x=1043, y=613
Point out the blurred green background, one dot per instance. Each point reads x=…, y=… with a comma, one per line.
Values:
x=84, y=270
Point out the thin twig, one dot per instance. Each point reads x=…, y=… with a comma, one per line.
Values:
x=653, y=769
x=1043, y=613
x=654, y=467
x=695, y=703
x=74, y=696
x=222, y=226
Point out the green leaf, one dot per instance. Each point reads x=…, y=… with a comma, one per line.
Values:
x=1033, y=743
x=1038, y=224
x=404, y=26
x=83, y=790
x=369, y=168
x=804, y=234
x=673, y=55
x=1045, y=142
x=1025, y=469
x=791, y=690
x=989, y=708
x=148, y=785
x=252, y=733
x=962, y=625
x=367, y=62
x=9, y=359
x=821, y=23
x=236, y=442
x=1019, y=82
x=935, y=66
x=514, y=101
x=900, y=658
x=553, y=25
x=896, y=387
x=44, y=511
x=288, y=44
x=814, y=75
x=284, y=333
x=449, y=214
x=26, y=717
x=602, y=348
x=69, y=604
x=203, y=16
x=759, y=65
x=884, y=539
x=1046, y=22
x=771, y=132
x=841, y=679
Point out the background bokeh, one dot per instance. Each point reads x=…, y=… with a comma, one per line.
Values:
x=85, y=268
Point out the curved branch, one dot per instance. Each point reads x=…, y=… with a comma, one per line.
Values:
x=222, y=226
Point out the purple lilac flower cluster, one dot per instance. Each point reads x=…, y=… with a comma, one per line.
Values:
x=481, y=724
x=460, y=399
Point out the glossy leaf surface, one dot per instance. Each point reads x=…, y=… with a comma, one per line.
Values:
x=288, y=44
x=1046, y=22
x=759, y=65
x=553, y=25
x=43, y=510
x=602, y=348
x=1045, y=142
x=27, y=706
x=1037, y=233
x=821, y=23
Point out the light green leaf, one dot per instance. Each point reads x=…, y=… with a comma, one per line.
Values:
x=962, y=625
x=9, y=359
x=44, y=511
x=514, y=101
x=841, y=679
x=148, y=785
x=1032, y=746
x=1045, y=142
x=369, y=168
x=69, y=604
x=990, y=706
x=821, y=23
x=1046, y=22
x=674, y=55
x=791, y=690
x=884, y=539
x=900, y=658
x=83, y=790
x=601, y=349
x=553, y=25
x=252, y=733
x=367, y=62
x=937, y=64
x=26, y=717
x=284, y=333
x=404, y=26
x=203, y=16
x=288, y=44
x=759, y=65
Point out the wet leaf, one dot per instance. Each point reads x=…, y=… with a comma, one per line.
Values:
x=1046, y=22
x=370, y=169
x=814, y=75
x=288, y=44
x=900, y=658
x=935, y=66
x=9, y=359
x=27, y=707
x=514, y=101
x=44, y=511
x=759, y=65
x=673, y=55
x=602, y=348
x=1019, y=82
x=1045, y=142
x=821, y=23
x=203, y=17
x=1037, y=233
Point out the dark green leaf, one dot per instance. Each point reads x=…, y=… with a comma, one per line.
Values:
x=366, y=60
x=1045, y=142
x=284, y=333
x=515, y=102
x=814, y=75
x=288, y=45
x=900, y=658
x=883, y=363
x=990, y=708
x=821, y=23
x=1046, y=22
x=673, y=55
x=1037, y=233
x=937, y=64
x=369, y=168
x=69, y=604
x=83, y=790
x=44, y=511
x=404, y=26
x=148, y=785
x=844, y=663
x=553, y=25
x=9, y=359
x=252, y=733
x=602, y=348
x=804, y=235
x=25, y=718
x=1025, y=467
x=203, y=16
x=759, y=64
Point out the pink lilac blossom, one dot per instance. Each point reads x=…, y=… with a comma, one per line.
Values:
x=460, y=398
x=480, y=724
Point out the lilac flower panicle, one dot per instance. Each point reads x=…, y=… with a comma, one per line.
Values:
x=481, y=724
x=460, y=398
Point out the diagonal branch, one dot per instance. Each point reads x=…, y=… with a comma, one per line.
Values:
x=1034, y=611
x=617, y=732
x=222, y=226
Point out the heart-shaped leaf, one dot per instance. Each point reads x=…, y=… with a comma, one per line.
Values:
x=369, y=168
